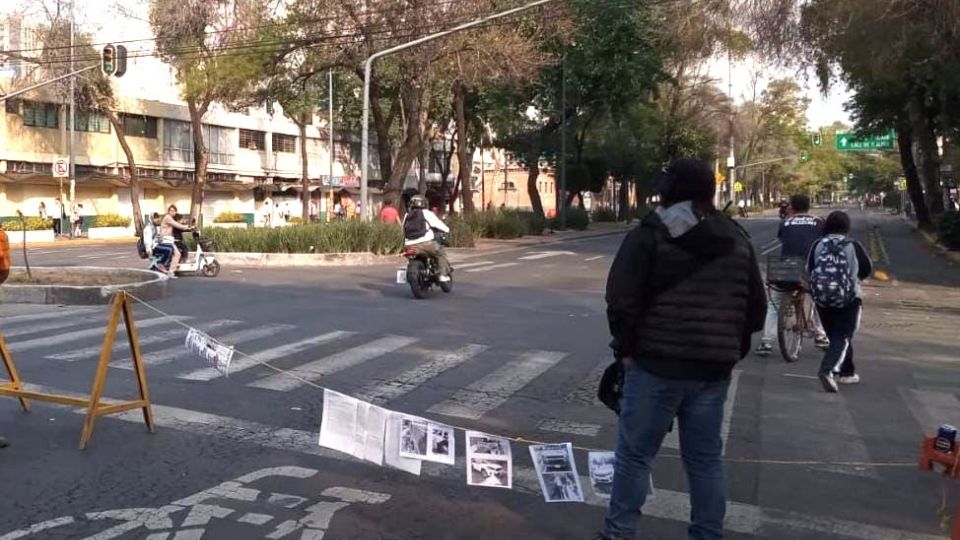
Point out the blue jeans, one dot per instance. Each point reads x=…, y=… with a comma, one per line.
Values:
x=648, y=407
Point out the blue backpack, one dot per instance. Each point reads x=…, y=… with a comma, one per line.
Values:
x=830, y=282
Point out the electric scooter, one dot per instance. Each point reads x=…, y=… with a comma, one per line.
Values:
x=204, y=262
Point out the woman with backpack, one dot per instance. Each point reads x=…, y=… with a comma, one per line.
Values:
x=837, y=264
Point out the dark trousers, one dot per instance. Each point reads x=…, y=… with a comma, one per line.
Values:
x=56, y=226
x=840, y=324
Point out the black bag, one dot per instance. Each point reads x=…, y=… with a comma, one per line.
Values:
x=414, y=225
x=611, y=386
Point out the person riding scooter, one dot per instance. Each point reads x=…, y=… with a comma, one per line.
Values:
x=418, y=227
x=167, y=226
x=162, y=253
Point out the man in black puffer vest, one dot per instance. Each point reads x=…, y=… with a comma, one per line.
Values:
x=684, y=296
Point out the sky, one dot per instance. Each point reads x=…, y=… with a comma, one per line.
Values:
x=100, y=18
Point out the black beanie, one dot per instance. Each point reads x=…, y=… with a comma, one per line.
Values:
x=688, y=180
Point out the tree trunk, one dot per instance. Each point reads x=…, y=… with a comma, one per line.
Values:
x=904, y=141
x=412, y=144
x=381, y=125
x=305, y=172
x=464, y=158
x=624, y=202
x=132, y=168
x=927, y=139
x=201, y=158
x=533, y=160
x=580, y=200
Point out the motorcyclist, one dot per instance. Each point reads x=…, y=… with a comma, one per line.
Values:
x=784, y=208
x=418, y=227
x=798, y=233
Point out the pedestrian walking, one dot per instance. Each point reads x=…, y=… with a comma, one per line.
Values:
x=42, y=211
x=684, y=296
x=389, y=213
x=58, y=215
x=837, y=264
x=742, y=208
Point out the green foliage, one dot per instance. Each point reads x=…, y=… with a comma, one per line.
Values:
x=30, y=223
x=110, y=220
x=339, y=237
x=948, y=229
x=604, y=215
x=296, y=220
x=461, y=233
x=230, y=217
x=504, y=224
x=576, y=218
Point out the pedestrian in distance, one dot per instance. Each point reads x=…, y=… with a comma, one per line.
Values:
x=742, y=208
x=684, y=297
x=58, y=215
x=837, y=264
x=42, y=211
x=389, y=213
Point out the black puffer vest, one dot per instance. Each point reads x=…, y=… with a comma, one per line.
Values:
x=696, y=328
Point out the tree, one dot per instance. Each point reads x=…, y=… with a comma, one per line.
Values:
x=200, y=40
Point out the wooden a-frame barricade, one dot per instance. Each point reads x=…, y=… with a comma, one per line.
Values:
x=120, y=305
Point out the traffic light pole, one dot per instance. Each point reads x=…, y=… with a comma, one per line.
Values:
x=72, y=126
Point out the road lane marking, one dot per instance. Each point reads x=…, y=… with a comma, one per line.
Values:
x=170, y=354
x=122, y=344
x=771, y=249
x=437, y=363
x=461, y=266
x=497, y=387
x=488, y=268
x=671, y=505
x=62, y=339
x=242, y=363
x=569, y=427
x=598, y=257
x=46, y=315
x=37, y=328
x=537, y=255
x=798, y=376
x=313, y=371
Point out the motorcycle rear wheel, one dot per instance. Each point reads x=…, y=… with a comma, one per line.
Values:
x=446, y=286
x=415, y=271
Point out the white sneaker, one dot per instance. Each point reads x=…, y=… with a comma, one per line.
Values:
x=764, y=349
x=829, y=382
x=852, y=379
x=444, y=279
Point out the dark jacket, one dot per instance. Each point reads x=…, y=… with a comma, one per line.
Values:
x=685, y=294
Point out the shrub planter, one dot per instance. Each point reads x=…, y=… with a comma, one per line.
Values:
x=81, y=285
x=229, y=225
x=285, y=260
x=16, y=237
x=101, y=233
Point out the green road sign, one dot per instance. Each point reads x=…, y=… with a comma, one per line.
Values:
x=846, y=142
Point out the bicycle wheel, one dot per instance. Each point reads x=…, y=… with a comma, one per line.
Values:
x=790, y=330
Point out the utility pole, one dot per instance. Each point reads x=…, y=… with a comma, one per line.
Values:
x=332, y=153
x=368, y=68
x=72, y=123
x=731, y=159
x=562, y=192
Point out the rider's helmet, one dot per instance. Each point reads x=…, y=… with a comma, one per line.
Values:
x=418, y=202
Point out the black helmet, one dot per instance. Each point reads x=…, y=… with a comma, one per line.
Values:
x=418, y=202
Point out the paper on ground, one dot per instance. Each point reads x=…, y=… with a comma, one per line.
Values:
x=489, y=460
x=557, y=472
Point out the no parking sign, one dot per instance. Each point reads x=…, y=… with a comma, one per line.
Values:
x=61, y=167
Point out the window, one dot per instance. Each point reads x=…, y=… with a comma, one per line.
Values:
x=253, y=140
x=136, y=125
x=284, y=143
x=93, y=122
x=178, y=142
x=43, y=115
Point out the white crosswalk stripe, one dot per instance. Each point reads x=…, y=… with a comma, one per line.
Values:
x=6, y=322
x=170, y=354
x=38, y=327
x=461, y=266
x=496, y=388
x=150, y=339
x=437, y=362
x=243, y=363
x=494, y=267
x=62, y=339
x=313, y=371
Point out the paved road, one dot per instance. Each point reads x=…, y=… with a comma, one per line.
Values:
x=515, y=350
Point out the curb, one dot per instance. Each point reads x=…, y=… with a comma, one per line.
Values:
x=934, y=243
x=301, y=260
x=151, y=286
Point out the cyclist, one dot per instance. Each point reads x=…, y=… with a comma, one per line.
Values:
x=798, y=233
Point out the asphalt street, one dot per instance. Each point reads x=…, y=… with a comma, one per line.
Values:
x=516, y=350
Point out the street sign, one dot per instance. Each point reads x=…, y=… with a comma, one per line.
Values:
x=61, y=167
x=847, y=142
x=902, y=184
x=737, y=187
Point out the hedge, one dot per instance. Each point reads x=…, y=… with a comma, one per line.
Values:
x=230, y=217
x=110, y=220
x=32, y=224
x=948, y=230
x=505, y=224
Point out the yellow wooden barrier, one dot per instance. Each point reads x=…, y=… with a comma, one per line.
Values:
x=120, y=305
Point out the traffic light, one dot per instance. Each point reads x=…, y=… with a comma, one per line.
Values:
x=804, y=156
x=108, y=60
x=121, y=61
x=817, y=139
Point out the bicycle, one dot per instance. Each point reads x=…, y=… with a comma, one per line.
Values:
x=794, y=317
